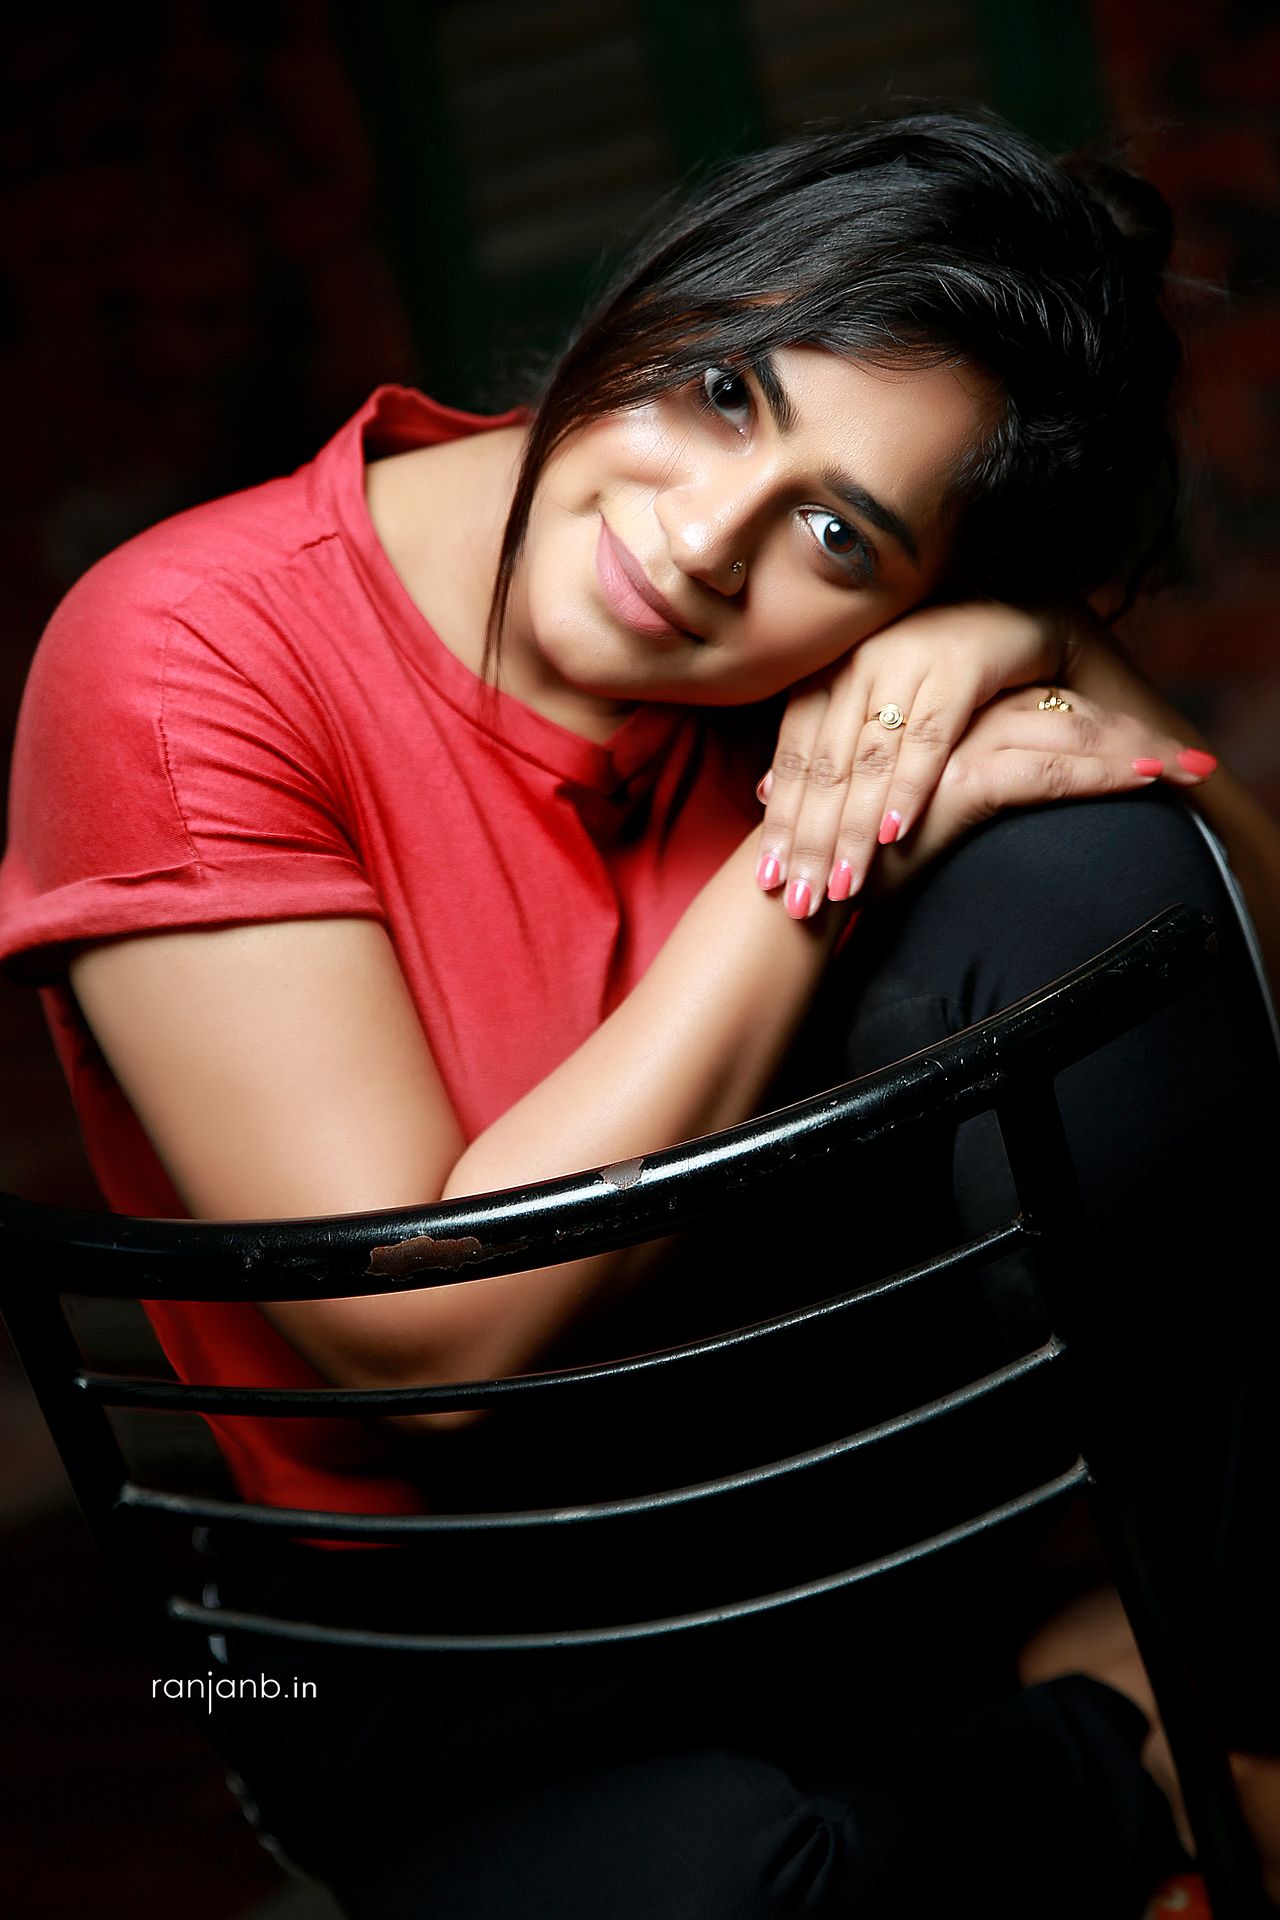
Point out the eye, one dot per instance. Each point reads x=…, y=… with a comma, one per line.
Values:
x=729, y=394
x=840, y=541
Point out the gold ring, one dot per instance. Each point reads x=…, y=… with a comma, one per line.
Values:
x=891, y=716
x=1053, y=702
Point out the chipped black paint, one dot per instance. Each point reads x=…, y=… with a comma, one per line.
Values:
x=623, y=1173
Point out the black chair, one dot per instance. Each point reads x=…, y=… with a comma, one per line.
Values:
x=1006, y=1064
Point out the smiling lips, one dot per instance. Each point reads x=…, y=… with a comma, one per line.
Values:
x=628, y=593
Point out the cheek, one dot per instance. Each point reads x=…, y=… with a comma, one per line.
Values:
x=602, y=457
x=560, y=538
x=559, y=571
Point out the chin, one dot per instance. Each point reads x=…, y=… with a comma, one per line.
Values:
x=595, y=657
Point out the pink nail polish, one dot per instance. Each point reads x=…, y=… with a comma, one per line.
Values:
x=764, y=787
x=840, y=885
x=768, y=871
x=889, y=827
x=1148, y=766
x=798, y=899
x=1193, y=761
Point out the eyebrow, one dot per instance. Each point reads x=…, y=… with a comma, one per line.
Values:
x=854, y=496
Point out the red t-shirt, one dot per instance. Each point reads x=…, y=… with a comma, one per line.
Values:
x=240, y=715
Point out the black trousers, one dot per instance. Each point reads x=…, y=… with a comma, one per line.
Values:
x=869, y=1762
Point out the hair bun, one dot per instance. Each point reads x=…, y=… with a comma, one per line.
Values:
x=1138, y=212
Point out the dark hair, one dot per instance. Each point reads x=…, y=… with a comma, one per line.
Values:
x=918, y=239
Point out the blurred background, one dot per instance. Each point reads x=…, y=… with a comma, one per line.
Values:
x=221, y=226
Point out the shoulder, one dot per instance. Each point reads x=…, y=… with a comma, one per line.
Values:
x=164, y=774
x=179, y=632
x=135, y=589
x=121, y=665
x=248, y=567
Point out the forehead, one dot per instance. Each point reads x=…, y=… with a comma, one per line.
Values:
x=903, y=429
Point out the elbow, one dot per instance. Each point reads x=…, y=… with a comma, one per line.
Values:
x=420, y=1426
x=455, y=1367
x=395, y=1342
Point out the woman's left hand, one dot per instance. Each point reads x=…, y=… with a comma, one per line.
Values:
x=843, y=781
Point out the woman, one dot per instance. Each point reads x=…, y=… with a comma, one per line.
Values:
x=326, y=919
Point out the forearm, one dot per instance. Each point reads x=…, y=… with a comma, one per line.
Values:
x=689, y=1052
x=690, y=1049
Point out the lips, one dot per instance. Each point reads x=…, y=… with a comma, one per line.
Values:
x=629, y=593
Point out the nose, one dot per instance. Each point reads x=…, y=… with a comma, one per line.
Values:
x=712, y=521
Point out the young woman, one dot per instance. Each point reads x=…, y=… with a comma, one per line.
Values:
x=390, y=832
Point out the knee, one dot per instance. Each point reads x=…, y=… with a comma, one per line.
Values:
x=1032, y=894
x=1099, y=847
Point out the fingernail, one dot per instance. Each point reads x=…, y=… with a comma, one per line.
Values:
x=840, y=885
x=1193, y=761
x=798, y=899
x=1149, y=767
x=889, y=827
x=768, y=871
x=764, y=787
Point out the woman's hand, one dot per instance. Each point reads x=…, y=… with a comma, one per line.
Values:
x=843, y=782
x=1017, y=754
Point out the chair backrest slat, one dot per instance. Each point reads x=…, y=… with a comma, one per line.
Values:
x=402, y=1527
x=223, y=1619
x=122, y=1390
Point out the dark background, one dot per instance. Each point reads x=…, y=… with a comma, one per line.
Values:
x=221, y=226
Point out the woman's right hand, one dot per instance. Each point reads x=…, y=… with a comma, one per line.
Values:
x=843, y=781
x=1015, y=754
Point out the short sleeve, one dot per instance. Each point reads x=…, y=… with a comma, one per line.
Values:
x=171, y=768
